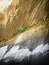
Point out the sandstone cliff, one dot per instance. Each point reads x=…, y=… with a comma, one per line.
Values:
x=21, y=15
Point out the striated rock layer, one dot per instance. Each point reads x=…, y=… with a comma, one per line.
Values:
x=17, y=16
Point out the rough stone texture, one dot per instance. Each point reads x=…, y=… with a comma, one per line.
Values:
x=20, y=15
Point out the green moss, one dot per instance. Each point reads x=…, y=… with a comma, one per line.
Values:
x=20, y=31
x=40, y=20
x=27, y=28
x=24, y=29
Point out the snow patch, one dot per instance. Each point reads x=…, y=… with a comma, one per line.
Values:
x=19, y=54
x=2, y=51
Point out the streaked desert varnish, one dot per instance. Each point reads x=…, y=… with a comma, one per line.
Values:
x=19, y=14
x=4, y=4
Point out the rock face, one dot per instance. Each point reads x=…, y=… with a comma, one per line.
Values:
x=21, y=15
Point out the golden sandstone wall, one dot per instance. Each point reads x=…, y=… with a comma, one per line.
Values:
x=21, y=15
